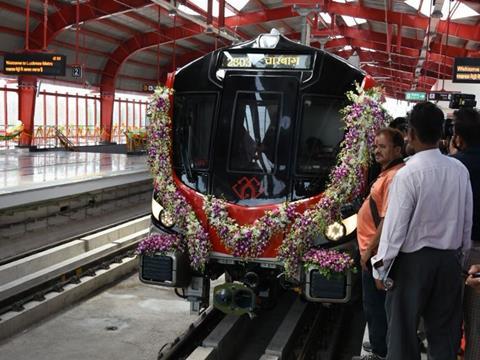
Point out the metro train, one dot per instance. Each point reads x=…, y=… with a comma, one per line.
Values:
x=254, y=126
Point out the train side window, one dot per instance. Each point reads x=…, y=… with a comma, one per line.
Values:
x=192, y=130
x=254, y=137
x=320, y=134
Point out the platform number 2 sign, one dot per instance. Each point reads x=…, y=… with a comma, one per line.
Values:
x=76, y=71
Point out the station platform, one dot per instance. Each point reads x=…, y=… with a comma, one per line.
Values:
x=48, y=196
x=27, y=177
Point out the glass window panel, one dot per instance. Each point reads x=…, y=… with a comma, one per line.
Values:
x=255, y=129
x=50, y=110
x=320, y=134
x=193, y=127
x=12, y=107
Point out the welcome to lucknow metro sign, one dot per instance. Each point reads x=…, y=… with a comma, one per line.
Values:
x=466, y=70
x=34, y=64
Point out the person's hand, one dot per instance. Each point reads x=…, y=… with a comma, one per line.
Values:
x=365, y=258
x=471, y=281
x=379, y=285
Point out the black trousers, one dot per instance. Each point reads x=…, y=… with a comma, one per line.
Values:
x=428, y=284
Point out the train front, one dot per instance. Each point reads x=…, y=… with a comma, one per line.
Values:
x=254, y=127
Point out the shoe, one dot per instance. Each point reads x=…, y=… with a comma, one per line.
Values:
x=367, y=346
x=369, y=357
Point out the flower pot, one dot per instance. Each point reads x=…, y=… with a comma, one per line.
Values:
x=336, y=289
x=170, y=269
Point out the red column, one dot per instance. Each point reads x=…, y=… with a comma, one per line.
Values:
x=106, y=114
x=27, y=91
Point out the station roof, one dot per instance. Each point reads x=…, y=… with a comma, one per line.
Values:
x=124, y=44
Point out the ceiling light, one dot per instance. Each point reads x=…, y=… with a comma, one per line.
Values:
x=436, y=14
x=367, y=49
x=353, y=21
x=346, y=47
x=172, y=12
x=326, y=17
x=460, y=10
x=202, y=4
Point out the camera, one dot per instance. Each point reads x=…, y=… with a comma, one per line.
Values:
x=447, y=128
x=462, y=100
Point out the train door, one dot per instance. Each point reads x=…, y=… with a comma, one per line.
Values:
x=252, y=150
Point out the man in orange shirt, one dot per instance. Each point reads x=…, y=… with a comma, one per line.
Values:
x=388, y=154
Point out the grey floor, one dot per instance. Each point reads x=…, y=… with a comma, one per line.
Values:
x=130, y=321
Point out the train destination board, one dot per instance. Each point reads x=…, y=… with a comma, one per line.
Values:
x=466, y=70
x=265, y=61
x=34, y=64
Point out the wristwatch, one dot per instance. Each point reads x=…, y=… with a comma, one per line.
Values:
x=388, y=283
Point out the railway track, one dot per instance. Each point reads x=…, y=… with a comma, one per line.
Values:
x=294, y=329
x=38, y=285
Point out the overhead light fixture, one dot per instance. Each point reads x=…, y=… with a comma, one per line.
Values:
x=208, y=30
x=326, y=17
x=436, y=14
x=353, y=21
x=172, y=12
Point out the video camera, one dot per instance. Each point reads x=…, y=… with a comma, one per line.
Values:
x=462, y=100
x=447, y=128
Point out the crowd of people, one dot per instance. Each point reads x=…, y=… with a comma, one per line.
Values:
x=419, y=238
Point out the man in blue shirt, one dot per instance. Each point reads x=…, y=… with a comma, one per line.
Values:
x=466, y=139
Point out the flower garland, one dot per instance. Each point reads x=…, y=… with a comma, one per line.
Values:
x=12, y=133
x=328, y=262
x=347, y=180
x=160, y=244
x=248, y=241
x=193, y=237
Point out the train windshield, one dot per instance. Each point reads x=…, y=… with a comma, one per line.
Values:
x=254, y=137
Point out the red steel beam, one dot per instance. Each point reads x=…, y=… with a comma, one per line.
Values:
x=137, y=43
x=91, y=10
x=464, y=31
x=413, y=44
x=21, y=11
x=117, y=26
x=377, y=41
x=14, y=32
x=408, y=63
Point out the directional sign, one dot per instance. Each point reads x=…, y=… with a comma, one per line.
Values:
x=76, y=71
x=415, y=96
x=439, y=96
x=34, y=64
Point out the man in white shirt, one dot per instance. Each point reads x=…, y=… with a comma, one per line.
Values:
x=427, y=225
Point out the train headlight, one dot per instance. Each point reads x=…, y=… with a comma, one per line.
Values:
x=166, y=218
x=338, y=230
x=335, y=231
x=156, y=209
